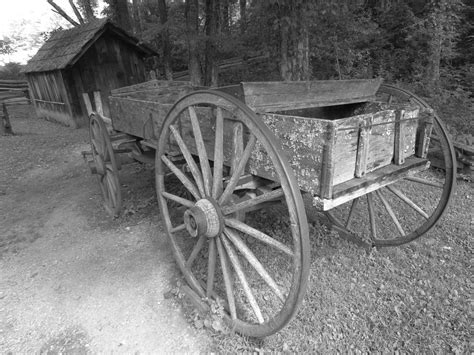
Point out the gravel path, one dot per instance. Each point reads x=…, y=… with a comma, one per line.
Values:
x=71, y=278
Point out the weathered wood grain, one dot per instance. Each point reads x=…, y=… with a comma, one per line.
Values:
x=149, y=85
x=354, y=188
x=271, y=96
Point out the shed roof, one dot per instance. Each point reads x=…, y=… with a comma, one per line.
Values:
x=64, y=48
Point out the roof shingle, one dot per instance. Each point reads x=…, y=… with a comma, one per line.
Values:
x=63, y=47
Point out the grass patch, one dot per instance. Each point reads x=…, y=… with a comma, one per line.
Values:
x=413, y=298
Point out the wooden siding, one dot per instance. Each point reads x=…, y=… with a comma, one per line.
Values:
x=49, y=95
x=108, y=64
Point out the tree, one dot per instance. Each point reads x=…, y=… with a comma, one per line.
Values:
x=86, y=6
x=117, y=11
x=165, y=39
x=191, y=14
x=441, y=25
x=6, y=46
x=211, y=27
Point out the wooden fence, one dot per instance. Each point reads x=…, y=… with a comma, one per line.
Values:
x=14, y=101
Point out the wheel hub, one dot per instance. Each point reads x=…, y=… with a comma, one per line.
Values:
x=204, y=219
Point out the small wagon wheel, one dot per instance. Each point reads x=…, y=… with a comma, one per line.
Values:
x=401, y=212
x=105, y=164
x=257, y=269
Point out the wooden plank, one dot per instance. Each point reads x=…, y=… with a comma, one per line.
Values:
x=328, y=163
x=346, y=147
x=423, y=134
x=152, y=84
x=131, y=116
x=373, y=181
x=98, y=103
x=363, y=150
x=398, y=156
x=87, y=103
x=274, y=96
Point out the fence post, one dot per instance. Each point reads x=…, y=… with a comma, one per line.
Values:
x=5, y=127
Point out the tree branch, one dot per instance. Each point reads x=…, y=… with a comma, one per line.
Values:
x=76, y=11
x=62, y=13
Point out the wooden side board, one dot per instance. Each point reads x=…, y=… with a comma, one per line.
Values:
x=149, y=85
x=273, y=96
x=137, y=117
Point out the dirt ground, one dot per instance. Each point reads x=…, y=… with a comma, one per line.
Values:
x=72, y=279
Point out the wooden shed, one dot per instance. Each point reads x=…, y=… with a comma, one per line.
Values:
x=97, y=56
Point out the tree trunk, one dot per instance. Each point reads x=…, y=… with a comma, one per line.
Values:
x=225, y=21
x=194, y=66
x=437, y=18
x=165, y=39
x=137, y=21
x=294, y=42
x=243, y=15
x=120, y=14
x=211, y=70
x=87, y=8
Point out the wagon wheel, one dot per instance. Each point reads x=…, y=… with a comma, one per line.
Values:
x=257, y=269
x=403, y=211
x=105, y=164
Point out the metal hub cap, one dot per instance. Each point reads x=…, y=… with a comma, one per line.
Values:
x=202, y=220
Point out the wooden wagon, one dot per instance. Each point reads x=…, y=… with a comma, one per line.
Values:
x=238, y=167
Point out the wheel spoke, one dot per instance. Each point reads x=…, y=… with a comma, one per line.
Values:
x=252, y=259
x=266, y=197
x=211, y=267
x=227, y=279
x=389, y=209
x=409, y=202
x=194, y=253
x=189, y=160
x=424, y=181
x=183, y=178
x=245, y=228
x=204, y=160
x=111, y=188
x=373, y=227
x=243, y=279
x=238, y=171
x=355, y=202
x=178, y=228
x=218, y=154
x=178, y=199
x=96, y=145
x=238, y=144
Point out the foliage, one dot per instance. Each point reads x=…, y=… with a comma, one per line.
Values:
x=6, y=46
x=11, y=71
x=426, y=44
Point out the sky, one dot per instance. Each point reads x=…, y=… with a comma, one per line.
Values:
x=26, y=19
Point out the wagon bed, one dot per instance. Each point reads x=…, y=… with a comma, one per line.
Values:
x=331, y=136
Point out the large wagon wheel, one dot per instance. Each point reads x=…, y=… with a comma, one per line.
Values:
x=105, y=164
x=257, y=269
x=403, y=211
